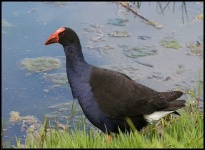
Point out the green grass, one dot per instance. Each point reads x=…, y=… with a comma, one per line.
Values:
x=186, y=131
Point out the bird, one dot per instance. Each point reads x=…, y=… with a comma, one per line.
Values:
x=108, y=97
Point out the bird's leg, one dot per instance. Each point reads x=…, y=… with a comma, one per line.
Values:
x=130, y=123
x=109, y=138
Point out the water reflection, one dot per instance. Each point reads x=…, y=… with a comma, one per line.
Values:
x=160, y=8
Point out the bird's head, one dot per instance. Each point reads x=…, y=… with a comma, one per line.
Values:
x=64, y=36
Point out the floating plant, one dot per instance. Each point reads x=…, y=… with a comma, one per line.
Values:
x=105, y=48
x=64, y=111
x=155, y=75
x=15, y=117
x=154, y=24
x=57, y=4
x=89, y=29
x=41, y=64
x=170, y=43
x=196, y=48
x=57, y=78
x=199, y=16
x=130, y=70
x=99, y=37
x=119, y=34
x=135, y=52
x=5, y=25
x=59, y=105
x=117, y=21
x=144, y=37
x=181, y=69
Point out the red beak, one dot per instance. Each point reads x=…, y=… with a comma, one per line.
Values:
x=54, y=38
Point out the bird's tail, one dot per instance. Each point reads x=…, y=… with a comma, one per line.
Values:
x=172, y=95
x=175, y=105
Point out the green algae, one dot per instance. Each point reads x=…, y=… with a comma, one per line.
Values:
x=41, y=64
x=154, y=24
x=139, y=51
x=117, y=21
x=199, y=16
x=57, y=78
x=119, y=34
x=170, y=43
x=6, y=24
x=196, y=48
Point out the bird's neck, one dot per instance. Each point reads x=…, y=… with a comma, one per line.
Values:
x=78, y=72
x=75, y=63
x=73, y=53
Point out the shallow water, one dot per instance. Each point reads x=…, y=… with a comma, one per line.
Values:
x=27, y=25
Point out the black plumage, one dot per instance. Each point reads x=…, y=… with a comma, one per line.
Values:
x=107, y=97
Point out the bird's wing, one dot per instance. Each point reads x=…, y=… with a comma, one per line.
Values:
x=119, y=96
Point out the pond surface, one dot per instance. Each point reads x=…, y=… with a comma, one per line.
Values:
x=153, y=52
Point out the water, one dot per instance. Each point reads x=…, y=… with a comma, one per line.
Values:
x=32, y=23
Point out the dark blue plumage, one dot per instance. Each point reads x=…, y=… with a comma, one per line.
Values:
x=108, y=97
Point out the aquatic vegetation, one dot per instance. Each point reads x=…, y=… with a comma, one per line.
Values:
x=89, y=29
x=98, y=37
x=156, y=75
x=100, y=48
x=31, y=11
x=170, y=43
x=139, y=51
x=57, y=78
x=181, y=69
x=144, y=63
x=105, y=48
x=15, y=13
x=119, y=34
x=117, y=21
x=14, y=116
x=199, y=16
x=130, y=6
x=154, y=24
x=130, y=70
x=95, y=25
x=27, y=123
x=57, y=4
x=196, y=48
x=6, y=24
x=90, y=45
x=144, y=37
x=41, y=64
x=64, y=109
x=59, y=105
x=66, y=113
